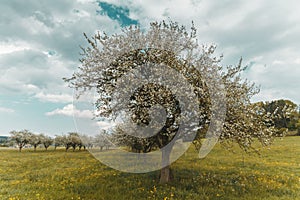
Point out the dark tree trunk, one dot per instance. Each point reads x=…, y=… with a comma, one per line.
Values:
x=165, y=173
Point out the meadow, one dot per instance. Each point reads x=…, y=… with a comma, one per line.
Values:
x=223, y=174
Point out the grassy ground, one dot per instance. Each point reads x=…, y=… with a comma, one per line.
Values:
x=221, y=175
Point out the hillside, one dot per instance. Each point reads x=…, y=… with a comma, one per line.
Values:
x=3, y=138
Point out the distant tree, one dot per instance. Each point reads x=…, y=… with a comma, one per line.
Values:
x=60, y=140
x=102, y=140
x=46, y=141
x=73, y=140
x=87, y=141
x=21, y=138
x=136, y=144
x=35, y=140
x=4, y=141
x=283, y=114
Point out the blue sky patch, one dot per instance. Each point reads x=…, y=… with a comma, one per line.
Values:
x=118, y=13
x=51, y=53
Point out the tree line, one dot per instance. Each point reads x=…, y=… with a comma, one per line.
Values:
x=72, y=140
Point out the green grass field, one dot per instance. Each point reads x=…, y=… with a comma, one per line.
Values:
x=221, y=175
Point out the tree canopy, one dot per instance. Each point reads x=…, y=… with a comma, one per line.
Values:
x=137, y=70
x=21, y=138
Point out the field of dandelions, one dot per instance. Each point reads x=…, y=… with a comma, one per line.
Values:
x=223, y=174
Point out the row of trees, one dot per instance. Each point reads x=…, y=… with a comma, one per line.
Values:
x=71, y=140
x=24, y=137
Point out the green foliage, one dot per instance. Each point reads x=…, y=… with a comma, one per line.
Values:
x=221, y=175
x=4, y=141
x=284, y=115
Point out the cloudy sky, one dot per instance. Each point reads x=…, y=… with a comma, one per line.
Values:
x=39, y=44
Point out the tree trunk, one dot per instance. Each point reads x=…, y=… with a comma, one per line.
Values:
x=165, y=172
x=165, y=175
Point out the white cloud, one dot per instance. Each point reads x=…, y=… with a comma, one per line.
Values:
x=6, y=110
x=35, y=26
x=277, y=62
x=297, y=61
x=105, y=125
x=70, y=110
x=56, y=98
x=10, y=47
